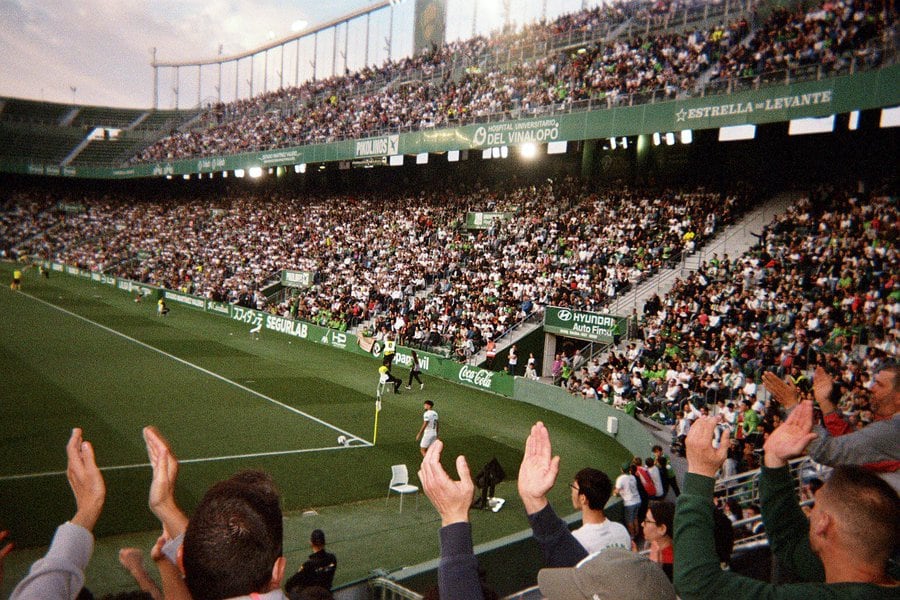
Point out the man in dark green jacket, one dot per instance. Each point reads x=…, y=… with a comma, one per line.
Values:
x=840, y=551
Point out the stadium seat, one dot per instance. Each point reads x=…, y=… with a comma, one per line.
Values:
x=400, y=484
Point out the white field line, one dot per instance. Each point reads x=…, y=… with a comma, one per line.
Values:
x=190, y=460
x=350, y=436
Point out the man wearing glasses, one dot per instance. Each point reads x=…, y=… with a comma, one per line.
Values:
x=591, y=490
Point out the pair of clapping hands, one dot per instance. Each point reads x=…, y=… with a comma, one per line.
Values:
x=452, y=498
x=539, y=468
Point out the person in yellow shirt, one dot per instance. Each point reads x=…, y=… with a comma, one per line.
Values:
x=17, y=280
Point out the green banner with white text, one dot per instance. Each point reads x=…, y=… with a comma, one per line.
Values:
x=584, y=325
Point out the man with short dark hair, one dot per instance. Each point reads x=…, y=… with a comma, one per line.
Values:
x=666, y=470
x=591, y=490
x=232, y=545
x=317, y=571
x=840, y=551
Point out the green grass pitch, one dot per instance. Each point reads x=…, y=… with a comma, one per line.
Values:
x=74, y=353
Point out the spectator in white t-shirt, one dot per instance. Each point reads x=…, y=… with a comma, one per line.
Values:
x=656, y=476
x=626, y=488
x=590, y=493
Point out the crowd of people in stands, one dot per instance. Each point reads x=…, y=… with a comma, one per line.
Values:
x=461, y=81
x=820, y=284
x=406, y=264
x=829, y=36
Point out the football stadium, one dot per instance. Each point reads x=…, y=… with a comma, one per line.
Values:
x=634, y=260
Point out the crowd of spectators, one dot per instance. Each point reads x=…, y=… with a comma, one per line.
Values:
x=406, y=261
x=829, y=37
x=819, y=286
x=462, y=81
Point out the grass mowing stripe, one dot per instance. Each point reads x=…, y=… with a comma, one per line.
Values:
x=184, y=461
x=201, y=369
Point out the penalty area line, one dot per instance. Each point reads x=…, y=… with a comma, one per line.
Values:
x=201, y=369
x=188, y=461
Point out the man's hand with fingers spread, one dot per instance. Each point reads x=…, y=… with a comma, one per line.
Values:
x=784, y=393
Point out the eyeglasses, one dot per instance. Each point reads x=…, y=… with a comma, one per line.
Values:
x=649, y=521
x=574, y=487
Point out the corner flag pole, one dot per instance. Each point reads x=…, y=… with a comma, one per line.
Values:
x=379, y=392
x=377, y=410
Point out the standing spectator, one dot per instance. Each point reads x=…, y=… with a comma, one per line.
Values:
x=530, y=372
x=512, y=360
x=657, y=478
x=458, y=571
x=876, y=445
x=658, y=529
x=556, y=369
x=626, y=488
x=667, y=470
x=749, y=422
x=841, y=551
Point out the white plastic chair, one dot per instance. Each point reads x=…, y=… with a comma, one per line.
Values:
x=400, y=484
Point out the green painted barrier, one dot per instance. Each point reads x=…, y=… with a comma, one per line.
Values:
x=630, y=433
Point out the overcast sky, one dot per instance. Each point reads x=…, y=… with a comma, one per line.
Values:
x=102, y=48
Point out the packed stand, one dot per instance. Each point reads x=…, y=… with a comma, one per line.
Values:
x=820, y=285
x=828, y=37
x=409, y=95
x=406, y=261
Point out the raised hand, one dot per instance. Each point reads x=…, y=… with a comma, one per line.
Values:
x=784, y=393
x=703, y=458
x=162, y=487
x=538, y=470
x=452, y=499
x=823, y=383
x=85, y=480
x=791, y=438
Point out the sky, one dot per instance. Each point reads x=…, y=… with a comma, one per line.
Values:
x=98, y=52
